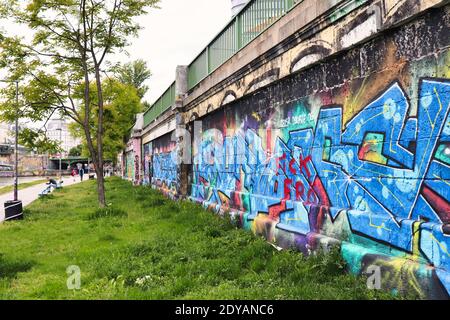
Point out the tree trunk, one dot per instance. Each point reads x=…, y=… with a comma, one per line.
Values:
x=100, y=186
x=99, y=168
x=96, y=155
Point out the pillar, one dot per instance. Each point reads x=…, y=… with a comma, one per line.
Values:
x=183, y=142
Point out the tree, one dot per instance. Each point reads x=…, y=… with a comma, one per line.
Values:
x=134, y=73
x=76, y=151
x=71, y=42
x=38, y=142
x=121, y=104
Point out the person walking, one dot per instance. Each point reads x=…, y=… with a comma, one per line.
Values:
x=82, y=172
x=73, y=174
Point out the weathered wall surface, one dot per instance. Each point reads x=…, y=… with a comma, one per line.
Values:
x=32, y=165
x=331, y=129
x=312, y=31
x=132, y=166
x=29, y=165
x=164, y=165
x=147, y=162
x=352, y=151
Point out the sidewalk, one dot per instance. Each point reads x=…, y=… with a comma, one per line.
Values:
x=30, y=194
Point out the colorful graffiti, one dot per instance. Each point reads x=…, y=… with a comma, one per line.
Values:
x=164, y=168
x=352, y=152
x=147, y=163
x=129, y=166
x=132, y=161
x=385, y=171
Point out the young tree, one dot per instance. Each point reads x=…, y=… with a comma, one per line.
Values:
x=134, y=73
x=71, y=42
x=38, y=142
x=121, y=104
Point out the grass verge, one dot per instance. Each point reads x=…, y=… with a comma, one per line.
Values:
x=21, y=186
x=147, y=247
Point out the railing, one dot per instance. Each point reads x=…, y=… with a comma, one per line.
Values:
x=250, y=22
x=255, y=17
x=161, y=105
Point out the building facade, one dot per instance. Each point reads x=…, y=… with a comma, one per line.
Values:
x=58, y=130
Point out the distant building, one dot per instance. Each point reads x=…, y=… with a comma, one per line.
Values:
x=58, y=130
x=5, y=133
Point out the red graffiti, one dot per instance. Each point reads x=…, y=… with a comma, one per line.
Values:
x=278, y=160
x=439, y=204
x=269, y=142
x=291, y=166
x=203, y=181
x=237, y=198
x=321, y=193
x=304, y=165
x=276, y=210
x=287, y=189
x=363, y=150
x=299, y=190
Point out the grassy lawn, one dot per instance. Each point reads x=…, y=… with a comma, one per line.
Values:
x=21, y=186
x=147, y=247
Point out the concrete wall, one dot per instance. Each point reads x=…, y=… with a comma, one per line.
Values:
x=29, y=165
x=337, y=133
x=132, y=161
x=164, y=165
x=355, y=151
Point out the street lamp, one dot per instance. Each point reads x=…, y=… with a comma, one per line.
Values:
x=13, y=209
x=60, y=140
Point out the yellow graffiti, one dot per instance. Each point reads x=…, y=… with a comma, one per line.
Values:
x=442, y=180
x=381, y=226
x=433, y=124
x=443, y=248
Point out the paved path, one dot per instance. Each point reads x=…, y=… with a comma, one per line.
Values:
x=10, y=181
x=30, y=194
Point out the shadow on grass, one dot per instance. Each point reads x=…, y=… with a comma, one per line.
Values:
x=10, y=268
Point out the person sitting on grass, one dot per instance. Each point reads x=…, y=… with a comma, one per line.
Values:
x=52, y=182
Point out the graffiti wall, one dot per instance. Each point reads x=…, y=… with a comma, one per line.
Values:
x=129, y=166
x=164, y=175
x=133, y=163
x=147, y=158
x=353, y=151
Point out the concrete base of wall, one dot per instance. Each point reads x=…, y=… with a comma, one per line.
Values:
x=407, y=275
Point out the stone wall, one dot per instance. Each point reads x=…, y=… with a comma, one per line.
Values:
x=338, y=135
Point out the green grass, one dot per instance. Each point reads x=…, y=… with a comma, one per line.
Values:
x=21, y=186
x=147, y=247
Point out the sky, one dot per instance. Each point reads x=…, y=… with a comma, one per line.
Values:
x=172, y=35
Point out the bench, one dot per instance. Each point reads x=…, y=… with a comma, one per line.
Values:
x=46, y=191
x=48, y=188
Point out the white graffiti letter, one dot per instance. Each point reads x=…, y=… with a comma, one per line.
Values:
x=374, y=279
x=74, y=279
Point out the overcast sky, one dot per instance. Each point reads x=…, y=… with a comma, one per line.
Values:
x=172, y=35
